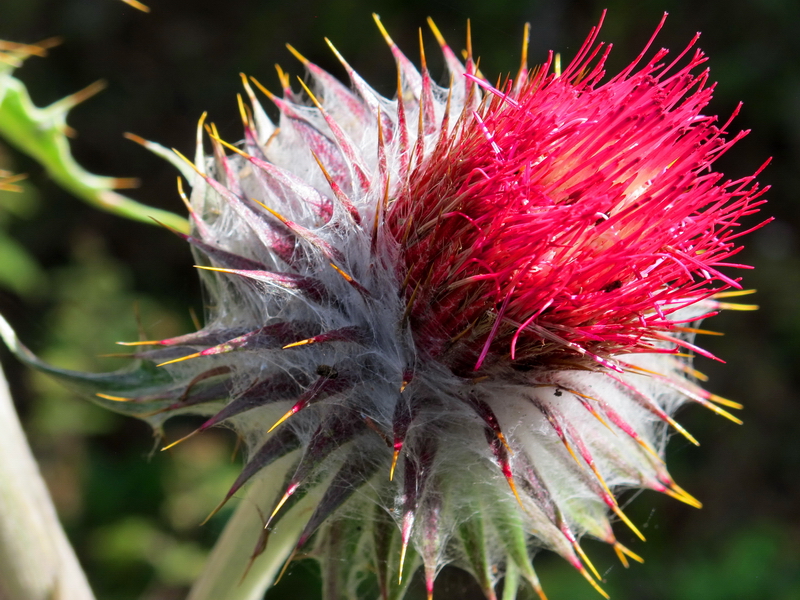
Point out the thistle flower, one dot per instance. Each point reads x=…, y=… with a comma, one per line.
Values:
x=467, y=312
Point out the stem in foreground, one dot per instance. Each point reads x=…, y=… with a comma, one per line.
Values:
x=36, y=559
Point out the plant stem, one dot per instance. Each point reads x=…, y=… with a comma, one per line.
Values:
x=36, y=559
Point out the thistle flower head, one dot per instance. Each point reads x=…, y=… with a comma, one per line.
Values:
x=466, y=312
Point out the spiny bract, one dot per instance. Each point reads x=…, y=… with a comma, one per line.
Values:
x=466, y=311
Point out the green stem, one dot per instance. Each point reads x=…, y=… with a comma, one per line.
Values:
x=40, y=133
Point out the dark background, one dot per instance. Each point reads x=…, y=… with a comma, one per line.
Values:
x=134, y=520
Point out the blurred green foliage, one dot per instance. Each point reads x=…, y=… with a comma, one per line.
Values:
x=71, y=276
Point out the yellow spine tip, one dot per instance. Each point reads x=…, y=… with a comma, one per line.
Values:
x=402, y=563
x=183, y=439
x=143, y=343
x=624, y=518
x=135, y=138
x=621, y=556
x=586, y=561
x=300, y=343
x=725, y=402
x=436, y=33
x=288, y=414
x=395, y=456
x=593, y=583
x=297, y=55
x=137, y=5
x=214, y=512
x=113, y=398
x=622, y=550
x=277, y=508
x=376, y=17
x=181, y=359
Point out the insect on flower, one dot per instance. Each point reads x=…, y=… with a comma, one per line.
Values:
x=467, y=313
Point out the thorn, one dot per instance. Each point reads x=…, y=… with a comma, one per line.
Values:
x=7, y=183
x=349, y=279
x=199, y=154
x=469, y=39
x=402, y=562
x=621, y=556
x=183, y=196
x=571, y=451
x=187, y=161
x=724, y=413
x=586, y=560
x=395, y=456
x=649, y=449
x=526, y=35
x=285, y=566
x=144, y=343
x=283, y=76
x=513, y=486
x=216, y=269
x=311, y=95
x=264, y=90
x=135, y=138
x=283, y=500
x=739, y=307
x=184, y=438
x=242, y=111
x=344, y=275
x=286, y=415
x=27, y=49
x=504, y=441
x=181, y=359
x=691, y=371
x=673, y=490
x=382, y=29
x=215, y=511
x=622, y=552
x=213, y=135
x=436, y=33
x=274, y=213
x=125, y=183
x=114, y=398
x=699, y=331
x=137, y=5
x=297, y=55
x=725, y=402
x=422, y=62
x=624, y=518
x=248, y=89
x=592, y=582
x=73, y=100
x=603, y=483
x=338, y=54
x=193, y=314
x=733, y=293
x=410, y=303
x=682, y=431
x=311, y=340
